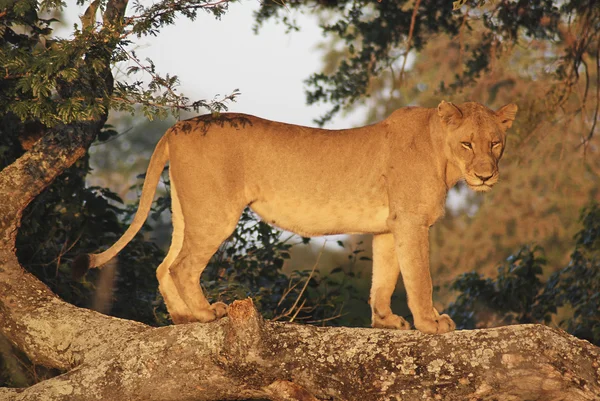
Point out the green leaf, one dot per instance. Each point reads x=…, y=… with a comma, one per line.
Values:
x=456, y=5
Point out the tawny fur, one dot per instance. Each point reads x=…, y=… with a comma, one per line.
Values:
x=389, y=179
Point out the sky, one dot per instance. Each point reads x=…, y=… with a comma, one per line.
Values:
x=214, y=57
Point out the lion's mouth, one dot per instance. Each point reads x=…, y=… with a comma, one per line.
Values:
x=480, y=187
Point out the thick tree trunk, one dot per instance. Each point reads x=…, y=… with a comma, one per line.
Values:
x=243, y=357
x=50, y=338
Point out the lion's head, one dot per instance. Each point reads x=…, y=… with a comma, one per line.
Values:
x=476, y=137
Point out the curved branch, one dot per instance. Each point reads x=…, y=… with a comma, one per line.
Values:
x=31, y=316
x=48, y=330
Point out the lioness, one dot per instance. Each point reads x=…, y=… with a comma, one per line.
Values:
x=388, y=179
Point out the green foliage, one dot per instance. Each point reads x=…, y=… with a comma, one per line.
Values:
x=51, y=80
x=518, y=295
x=507, y=299
x=149, y=19
x=54, y=80
x=577, y=286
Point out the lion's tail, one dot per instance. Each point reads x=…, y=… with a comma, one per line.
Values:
x=155, y=168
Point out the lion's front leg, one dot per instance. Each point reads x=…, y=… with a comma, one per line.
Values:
x=385, y=277
x=411, y=236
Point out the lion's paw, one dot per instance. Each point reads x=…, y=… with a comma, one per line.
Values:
x=439, y=325
x=204, y=315
x=212, y=313
x=391, y=321
x=220, y=309
x=182, y=318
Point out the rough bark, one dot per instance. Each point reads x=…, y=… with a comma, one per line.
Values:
x=243, y=357
x=29, y=175
x=50, y=339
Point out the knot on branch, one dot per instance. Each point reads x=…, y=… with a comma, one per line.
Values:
x=245, y=329
x=244, y=355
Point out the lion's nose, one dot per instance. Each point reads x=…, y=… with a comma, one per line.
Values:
x=483, y=178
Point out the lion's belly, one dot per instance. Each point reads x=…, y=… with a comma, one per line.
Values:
x=308, y=219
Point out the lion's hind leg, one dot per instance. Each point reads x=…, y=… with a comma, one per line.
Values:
x=178, y=310
x=205, y=228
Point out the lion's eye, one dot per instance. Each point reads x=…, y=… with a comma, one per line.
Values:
x=466, y=145
x=494, y=144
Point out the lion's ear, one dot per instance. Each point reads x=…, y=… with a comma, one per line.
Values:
x=449, y=113
x=506, y=115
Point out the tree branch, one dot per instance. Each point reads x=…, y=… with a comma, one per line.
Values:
x=48, y=330
x=31, y=316
x=243, y=356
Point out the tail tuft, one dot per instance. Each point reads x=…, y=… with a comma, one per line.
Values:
x=80, y=266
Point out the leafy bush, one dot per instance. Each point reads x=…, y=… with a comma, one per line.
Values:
x=578, y=285
x=508, y=299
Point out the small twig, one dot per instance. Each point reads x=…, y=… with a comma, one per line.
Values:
x=461, y=41
x=392, y=89
x=59, y=257
x=114, y=138
x=310, y=275
x=409, y=40
x=326, y=319
x=154, y=76
x=287, y=292
x=175, y=7
x=288, y=238
x=298, y=309
x=293, y=307
x=595, y=119
x=587, y=84
x=280, y=3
